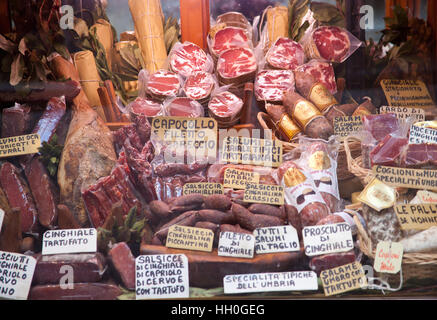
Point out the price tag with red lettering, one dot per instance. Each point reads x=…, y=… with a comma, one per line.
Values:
x=388, y=257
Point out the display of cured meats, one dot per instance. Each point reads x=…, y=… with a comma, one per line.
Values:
x=285, y=54
x=144, y=106
x=323, y=72
x=199, y=86
x=187, y=58
x=270, y=85
x=163, y=84
x=229, y=38
x=226, y=108
x=183, y=107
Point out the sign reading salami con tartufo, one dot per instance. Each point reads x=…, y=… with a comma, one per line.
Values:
x=343, y=279
x=69, y=241
x=19, y=145
x=407, y=93
x=406, y=178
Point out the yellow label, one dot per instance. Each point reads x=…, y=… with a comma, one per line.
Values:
x=406, y=178
x=304, y=112
x=407, y=93
x=289, y=127
x=252, y=151
x=319, y=160
x=321, y=97
x=403, y=113
x=361, y=111
x=347, y=125
x=203, y=188
x=190, y=238
x=343, y=279
x=294, y=177
x=416, y=216
x=264, y=193
x=237, y=179
x=19, y=145
x=388, y=257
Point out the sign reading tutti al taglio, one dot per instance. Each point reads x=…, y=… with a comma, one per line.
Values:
x=19, y=145
x=276, y=239
x=69, y=241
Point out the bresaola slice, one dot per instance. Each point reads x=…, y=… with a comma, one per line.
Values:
x=329, y=43
x=183, y=107
x=323, y=72
x=285, y=54
x=229, y=38
x=270, y=85
x=163, y=84
x=225, y=107
x=187, y=58
x=199, y=86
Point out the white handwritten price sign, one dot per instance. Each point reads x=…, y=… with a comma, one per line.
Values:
x=330, y=238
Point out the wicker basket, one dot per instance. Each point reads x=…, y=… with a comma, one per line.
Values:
x=415, y=266
x=354, y=162
x=343, y=172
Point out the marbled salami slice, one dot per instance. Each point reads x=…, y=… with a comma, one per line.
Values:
x=323, y=72
x=183, y=107
x=199, y=85
x=187, y=58
x=270, y=85
x=229, y=38
x=285, y=54
x=163, y=84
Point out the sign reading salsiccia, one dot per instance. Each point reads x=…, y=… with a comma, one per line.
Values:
x=203, y=188
x=19, y=145
x=264, y=193
x=190, y=238
x=276, y=239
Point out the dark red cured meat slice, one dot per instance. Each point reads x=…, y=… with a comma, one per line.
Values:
x=323, y=72
x=330, y=261
x=50, y=119
x=123, y=262
x=81, y=291
x=147, y=107
x=236, y=62
x=143, y=127
x=163, y=83
x=332, y=43
x=388, y=151
x=285, y=54
x=44, y=192
x=87, y=267
x=199, y=85
x=127, y=133
x=16, y=121
x=19, y=196
x=184, y=107
x=416, y=156
x=225, y=105
x=270, y=85
x=188, y=58
x=380, y=125
x=229, y=38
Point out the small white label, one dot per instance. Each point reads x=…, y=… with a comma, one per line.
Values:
x=69, y=241
x=16, y=273
x=270, y=282
x=162, y=276
x=330, y=238
x=419, y=135
x=276, y=239
x=237, y=245
x=2, y=216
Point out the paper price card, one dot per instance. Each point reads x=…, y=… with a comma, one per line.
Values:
x=2, y=216
x=388, y=258
x=69, y=241
x=251, y=151
x=403, y=113
x=162, y=276
x=203, y=188
x=264, y=193
x=190, y=238
x=416, y=216
x=276, y=239
x=343, y=279
x=330, y=238
x=407, y=93
x=16, y=272
x=237, y=245
x=347, y=125
x=270, y=282
x=19, y=145
x=238, y=179
x=406, y=178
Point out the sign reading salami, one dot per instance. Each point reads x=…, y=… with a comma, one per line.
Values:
x=237, y=245
x=347, y=125
x=406, y=178
x=238, y=179
x=270, y=282
x=388, y=258
x=69, y=241
x=203, y=188
x=343, y=279
x=252, y=151
x=163, y=276
x=407, y=93
x=264, y=193
x=403, y=113
x=276, y=239
x=190, y=238
x=16, y=273
x=2, y=216
x=330, y=238
x=416, y=216
x=420, y=134
x=19, y=145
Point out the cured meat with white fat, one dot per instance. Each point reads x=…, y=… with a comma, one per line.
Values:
x=285, y=54
x=236, y=64
x=187, y=58
x=199, y=86
x=270, y=85
x=229, y=38
x=163, y=84
x=225, y=107
x=322, y=72
x=16, y=121
x=183, y=107
x=147, y=107
x=329, y=43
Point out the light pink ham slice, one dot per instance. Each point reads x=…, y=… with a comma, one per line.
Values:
x=188, y=58
x=229, y=38
x=236, y=63
x=323, y=72
x=163, y=84
x=184, y=107
x=199, y=85
x=147, y=107
x=270, y=85
x=225, y=106
x=285, y=54
x=333, y=43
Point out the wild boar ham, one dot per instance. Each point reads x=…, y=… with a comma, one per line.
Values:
x=16, y=121
x=226, y=108
x=229, y=38
x=236, y=66
x=329, y=43
x=88, y=152
x=187, y=58
x=270, y=85
x=285, y=54
x=322, y=72
x=163, y=84
x=183, y=107
x=199, y=86
x=123, y=262
x=147, y=107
